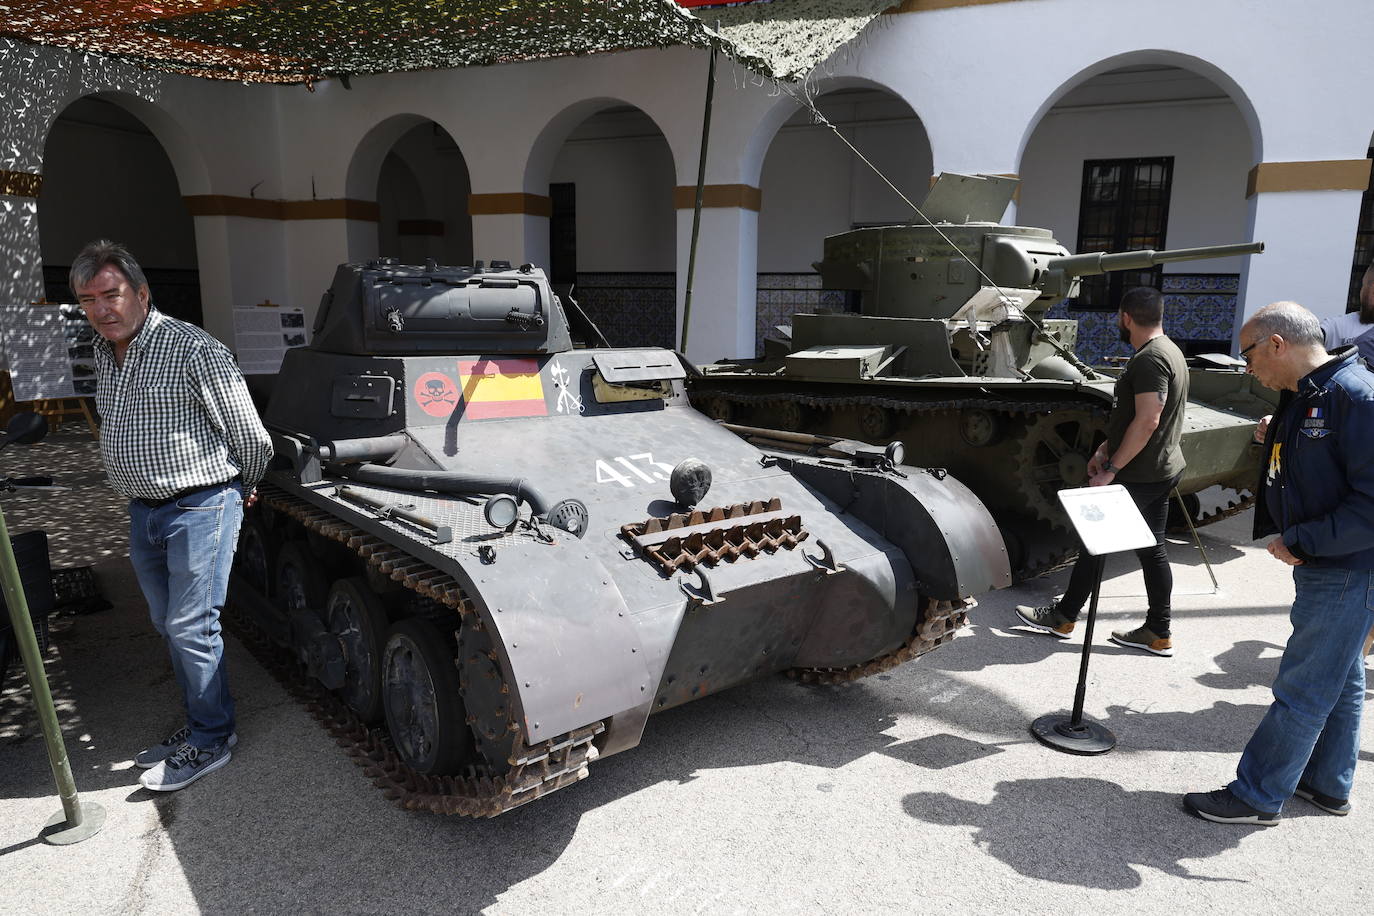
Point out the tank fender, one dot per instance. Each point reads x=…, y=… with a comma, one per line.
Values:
x=945, y=531
x=557, y=618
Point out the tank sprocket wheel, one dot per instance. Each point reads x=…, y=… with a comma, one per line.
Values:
x=1052, y=453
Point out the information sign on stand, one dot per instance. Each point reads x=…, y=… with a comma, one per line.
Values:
x=1106, y=521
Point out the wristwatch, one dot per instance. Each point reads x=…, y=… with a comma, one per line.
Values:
x=1108, y=466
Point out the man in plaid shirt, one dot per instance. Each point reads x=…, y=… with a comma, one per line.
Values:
x=181, y=439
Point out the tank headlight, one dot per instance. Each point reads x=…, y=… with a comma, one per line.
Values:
x=690, y=481
x=895, y=452
x=501, y=511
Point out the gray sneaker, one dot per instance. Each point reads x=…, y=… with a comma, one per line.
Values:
x=1046, y=619
x=150, y=757
x=1143, y=638
x=184, y=766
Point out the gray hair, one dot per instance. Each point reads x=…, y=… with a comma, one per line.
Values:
x=1290, y=321
x=100, y=254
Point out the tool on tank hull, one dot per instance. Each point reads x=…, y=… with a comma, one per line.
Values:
x=509, y=552
x=949, y=352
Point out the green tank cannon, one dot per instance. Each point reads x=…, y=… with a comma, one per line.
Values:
x=947, y=348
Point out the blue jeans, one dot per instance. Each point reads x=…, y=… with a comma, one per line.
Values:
x=182, y=552
x=1312, y=730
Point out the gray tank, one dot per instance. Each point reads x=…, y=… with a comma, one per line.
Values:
x=956, y=360
x=497, y=553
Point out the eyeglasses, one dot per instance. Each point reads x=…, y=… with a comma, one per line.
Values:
x=1244, y=354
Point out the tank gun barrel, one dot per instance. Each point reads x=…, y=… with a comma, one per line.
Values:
x=1100, y=262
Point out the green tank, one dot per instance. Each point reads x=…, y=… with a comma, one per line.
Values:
x=951, y=354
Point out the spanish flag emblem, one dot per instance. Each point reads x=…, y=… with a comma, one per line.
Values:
x=501, y=388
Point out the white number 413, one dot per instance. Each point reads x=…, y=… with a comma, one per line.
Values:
x=641, y=468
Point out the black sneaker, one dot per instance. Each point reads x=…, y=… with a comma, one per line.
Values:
x=1046, y=619
x=1328, y=803
x=1224, y=808
x=150, y=757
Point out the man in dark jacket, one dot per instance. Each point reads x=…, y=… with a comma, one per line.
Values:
x=1317, y=495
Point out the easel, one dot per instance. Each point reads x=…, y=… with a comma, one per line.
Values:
x=55, y=409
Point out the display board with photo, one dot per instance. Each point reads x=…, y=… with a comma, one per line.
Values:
x=50, y=350
x=263, y=334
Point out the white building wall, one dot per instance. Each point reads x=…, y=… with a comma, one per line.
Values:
x=1211, y=149
x=625, y=217
x=979, y=77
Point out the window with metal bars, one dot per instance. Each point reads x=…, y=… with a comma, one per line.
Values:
x=1364, y=247
x=1124, y=207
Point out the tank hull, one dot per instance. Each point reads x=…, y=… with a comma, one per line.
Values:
x=565, y=641
x=1014, y=442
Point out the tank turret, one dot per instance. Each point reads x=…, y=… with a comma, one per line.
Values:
x=945, y=345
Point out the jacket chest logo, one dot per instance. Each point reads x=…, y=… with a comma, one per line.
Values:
x=1314, y=424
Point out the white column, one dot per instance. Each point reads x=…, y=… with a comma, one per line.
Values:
x=724, y=291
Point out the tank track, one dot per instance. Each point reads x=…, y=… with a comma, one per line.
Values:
x=1044, y=561
x=938, y=626
x=534, y=770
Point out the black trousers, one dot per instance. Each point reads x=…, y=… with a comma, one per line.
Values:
x=1152, y=499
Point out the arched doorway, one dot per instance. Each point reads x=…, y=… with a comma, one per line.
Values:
x=613, y=228
x=1149, y=154
x=422, y=199
x=814, y=186
x=105, y=175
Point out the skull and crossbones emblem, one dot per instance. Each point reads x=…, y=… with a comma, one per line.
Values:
x=436, y=393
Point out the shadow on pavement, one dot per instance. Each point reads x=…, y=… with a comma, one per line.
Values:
x=1085, y=832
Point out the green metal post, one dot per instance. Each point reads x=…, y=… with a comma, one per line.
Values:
x=77, y=822
x=701, y=184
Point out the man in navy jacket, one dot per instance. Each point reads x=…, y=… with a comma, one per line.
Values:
x=1317, y=496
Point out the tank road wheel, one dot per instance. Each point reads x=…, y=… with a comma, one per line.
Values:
x=354, y=614
x=256, y=554
x=1053, y=453
x=876, y=423
x=793, y=417
x=980, y=428
x=719, y=407
x=299, y=584
x=424, y=711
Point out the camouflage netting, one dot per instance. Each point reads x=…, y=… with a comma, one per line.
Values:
x=286, y=41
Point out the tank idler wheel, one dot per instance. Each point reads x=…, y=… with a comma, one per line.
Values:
x=876, y=423
x=256, y=554
x=424, y=711
x=299, y=584
x=355, y=616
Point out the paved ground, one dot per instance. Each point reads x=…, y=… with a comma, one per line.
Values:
x=917, y=790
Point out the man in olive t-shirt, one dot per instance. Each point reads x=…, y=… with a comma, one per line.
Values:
x=1142, y=454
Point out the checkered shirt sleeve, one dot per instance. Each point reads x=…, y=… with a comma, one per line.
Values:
x=177, y=415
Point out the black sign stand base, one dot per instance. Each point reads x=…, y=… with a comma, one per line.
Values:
x=1073, y=734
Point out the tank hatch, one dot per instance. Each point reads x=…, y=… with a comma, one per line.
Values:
x=956, y=198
